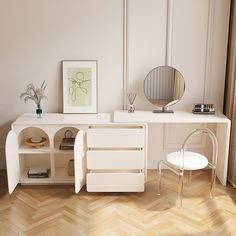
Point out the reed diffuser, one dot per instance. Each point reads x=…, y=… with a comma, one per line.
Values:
x=131, y=97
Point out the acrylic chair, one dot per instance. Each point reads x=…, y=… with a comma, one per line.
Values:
x=182, y=161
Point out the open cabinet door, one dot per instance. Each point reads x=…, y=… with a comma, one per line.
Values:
x=12, y=161
x=79, y=161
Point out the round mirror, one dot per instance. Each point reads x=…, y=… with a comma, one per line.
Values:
x=163, y=87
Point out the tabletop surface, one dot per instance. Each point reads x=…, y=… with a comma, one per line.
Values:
x=120, y=117
x=176, y=117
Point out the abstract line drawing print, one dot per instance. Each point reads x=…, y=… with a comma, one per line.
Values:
x=79, y=86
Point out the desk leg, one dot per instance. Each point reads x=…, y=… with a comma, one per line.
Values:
x=223, y=136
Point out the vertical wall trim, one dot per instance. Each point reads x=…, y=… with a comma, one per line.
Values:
x=168, y=53
x=209, y=43
x=169, y=31
x=125, y=52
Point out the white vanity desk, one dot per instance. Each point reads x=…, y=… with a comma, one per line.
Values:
x=113, y=149
x=222, y=129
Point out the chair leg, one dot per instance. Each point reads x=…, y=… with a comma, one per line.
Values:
x=159, y=178
x=180, y=189
x=213, y=180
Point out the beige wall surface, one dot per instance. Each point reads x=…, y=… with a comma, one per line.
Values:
x=36, y=35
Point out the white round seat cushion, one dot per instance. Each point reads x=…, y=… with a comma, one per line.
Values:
x=192, y=160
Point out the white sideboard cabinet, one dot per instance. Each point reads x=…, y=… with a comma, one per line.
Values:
x=116, y=151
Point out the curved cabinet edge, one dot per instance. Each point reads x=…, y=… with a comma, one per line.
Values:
x=12, y=161
x=79, y=161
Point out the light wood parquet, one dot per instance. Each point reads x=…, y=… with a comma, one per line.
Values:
x=57, y=210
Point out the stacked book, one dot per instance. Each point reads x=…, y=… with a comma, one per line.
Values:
x=203, y=109
x=38, y=172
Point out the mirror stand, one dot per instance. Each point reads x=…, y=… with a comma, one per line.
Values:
x=163, y=110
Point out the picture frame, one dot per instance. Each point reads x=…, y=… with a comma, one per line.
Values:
x=79, y=86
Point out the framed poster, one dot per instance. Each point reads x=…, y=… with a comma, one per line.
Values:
x=79, y=86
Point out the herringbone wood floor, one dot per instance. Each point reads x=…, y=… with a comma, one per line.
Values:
x=56, y=210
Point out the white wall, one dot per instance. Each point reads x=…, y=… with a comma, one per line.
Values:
x=36, y=35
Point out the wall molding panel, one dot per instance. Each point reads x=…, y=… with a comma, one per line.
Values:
x=125, y=52
x=168, y=43
x=208, y=57
x=206, y=79
x=169, y=32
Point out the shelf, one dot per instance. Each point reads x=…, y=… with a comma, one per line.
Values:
x=24, y=149
x=59, y=151
x=62, y=176
x=25, y=180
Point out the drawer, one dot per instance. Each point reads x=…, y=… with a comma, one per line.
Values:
x=127, y=159
x=115, y=138
x=115, y=182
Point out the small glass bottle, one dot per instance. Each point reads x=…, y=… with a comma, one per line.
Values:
x=39, y=111
x=131, y=108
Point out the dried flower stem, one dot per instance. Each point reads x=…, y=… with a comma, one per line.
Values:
x=34, y=94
